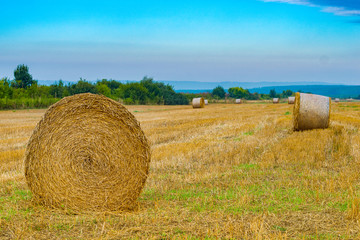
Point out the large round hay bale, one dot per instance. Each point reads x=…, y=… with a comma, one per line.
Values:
x=87, y=153
x=311, y=111
x=238, y=101
x=337, y=100
x=198, y=102
x=276, y=100
x=291, y=100
x=206, y=102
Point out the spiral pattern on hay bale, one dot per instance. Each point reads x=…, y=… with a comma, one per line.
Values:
x=198, y=102
x=311, y=111
x=87, y=153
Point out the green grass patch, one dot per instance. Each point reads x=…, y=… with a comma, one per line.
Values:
x=249, y=133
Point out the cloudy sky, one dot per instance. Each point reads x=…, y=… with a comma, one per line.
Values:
x=227, y=40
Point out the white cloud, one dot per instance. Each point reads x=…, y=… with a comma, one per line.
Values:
x=340, y=11
x=297, y=2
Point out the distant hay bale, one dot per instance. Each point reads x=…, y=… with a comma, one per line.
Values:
x=349, y=100
x=291, y=100
x=238, y=101
x=276, y=100
x=311, y=111
x=198, y=102
x=337, y=100
x=87, y=153
x=206, y=102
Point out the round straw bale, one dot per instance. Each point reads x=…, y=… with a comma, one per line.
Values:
x=238, y=101
x=291, y=100
x=198, y=102
x=337, y=100
x=311, y=111
x=276, y=100
x=206, y=102
x=87, y=153
x=349, y=100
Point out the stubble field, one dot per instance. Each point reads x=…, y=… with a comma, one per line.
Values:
x=226, y=171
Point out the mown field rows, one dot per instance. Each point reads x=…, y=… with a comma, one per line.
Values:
x=226, y=171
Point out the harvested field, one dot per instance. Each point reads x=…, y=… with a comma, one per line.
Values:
x=227, y=171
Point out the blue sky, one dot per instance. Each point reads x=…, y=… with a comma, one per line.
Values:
x=228, y=40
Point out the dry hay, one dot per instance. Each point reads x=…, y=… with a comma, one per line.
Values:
x=337, y=100
x=198, y=102
x=206, y=102
x=291, y=100
x=238, y=101
x=311, y=111
x=276, y=100
x=88, y=153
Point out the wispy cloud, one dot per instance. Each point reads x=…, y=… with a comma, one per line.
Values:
x=341, y=11
x=339, y=8
x=297, y=2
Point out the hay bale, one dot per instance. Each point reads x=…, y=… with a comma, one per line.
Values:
x=311, y=111
x=337, y=100
x=198, y=102
x=206, y=102
x=349, y=100
x=276, y=100
x=87, y=153
x=238, y=101
x=291, y=100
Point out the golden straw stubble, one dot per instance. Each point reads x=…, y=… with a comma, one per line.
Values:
x=88, y=152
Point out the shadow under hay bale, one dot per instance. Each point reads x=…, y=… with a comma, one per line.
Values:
x=311, y=111
x=198, y=102
x=87, y=153
x=291, y=100
x=276, y=100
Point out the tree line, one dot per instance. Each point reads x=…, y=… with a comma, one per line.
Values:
x=25, y=92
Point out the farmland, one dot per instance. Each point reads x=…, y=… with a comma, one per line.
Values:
x=225, y=171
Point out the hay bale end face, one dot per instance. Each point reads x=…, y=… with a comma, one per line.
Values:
x=87, y=153
x=238, y=101
x=198, y=102
x=311, y=111
x=276, y=100
x=206, y=102
x=291, y=100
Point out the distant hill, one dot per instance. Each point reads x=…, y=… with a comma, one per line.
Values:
x=340, y=91
x=185, y=86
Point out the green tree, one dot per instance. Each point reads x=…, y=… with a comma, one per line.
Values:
x=5, y=89
x=82, y=86
x=133, y=93
x=219, y=92
x=272, y=93
x=103, y=89
x=239, y=92
x=23, y=79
